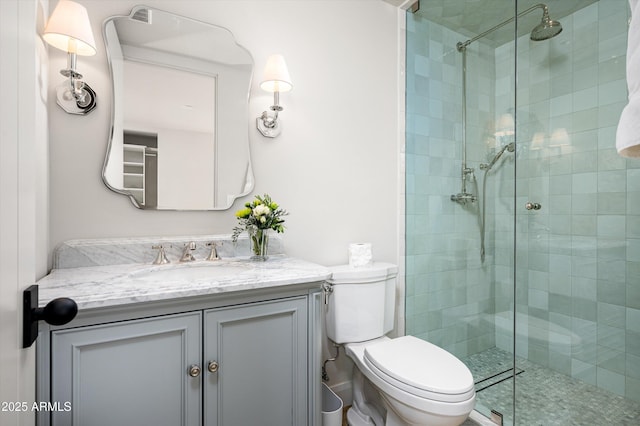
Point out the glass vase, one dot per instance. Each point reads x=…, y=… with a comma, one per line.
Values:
x=259, y=240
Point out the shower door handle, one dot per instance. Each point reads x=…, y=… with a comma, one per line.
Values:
x=532, y=206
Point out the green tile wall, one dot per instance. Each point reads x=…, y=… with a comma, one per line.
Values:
x=578, y=258
x=449, y=293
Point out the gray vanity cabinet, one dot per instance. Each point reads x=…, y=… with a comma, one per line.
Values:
x=257, y=364
x=258, y=354
x=128, y=373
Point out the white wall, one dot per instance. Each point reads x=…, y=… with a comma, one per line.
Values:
x=335, y=166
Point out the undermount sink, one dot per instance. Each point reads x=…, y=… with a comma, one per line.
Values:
x=189, y=272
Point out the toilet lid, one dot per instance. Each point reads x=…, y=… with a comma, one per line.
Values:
x=421, y=368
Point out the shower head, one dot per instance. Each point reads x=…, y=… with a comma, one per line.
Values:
x=546, y=29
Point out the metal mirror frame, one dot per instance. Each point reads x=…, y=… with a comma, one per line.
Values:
x=249, y=176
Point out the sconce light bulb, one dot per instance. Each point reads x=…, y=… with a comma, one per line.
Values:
x=268, y=122
x=68, y=95
x=81, y=97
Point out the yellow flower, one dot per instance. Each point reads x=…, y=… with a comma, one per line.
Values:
x=243, y=213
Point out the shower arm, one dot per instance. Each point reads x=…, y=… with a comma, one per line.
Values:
x=545, y=12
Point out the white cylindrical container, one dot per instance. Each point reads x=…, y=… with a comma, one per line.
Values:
x=331, y=407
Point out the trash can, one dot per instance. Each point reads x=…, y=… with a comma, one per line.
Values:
x=331, y=407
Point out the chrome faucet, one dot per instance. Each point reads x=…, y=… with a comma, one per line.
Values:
x=213, y=255
x=161, y=257
x=186, y=252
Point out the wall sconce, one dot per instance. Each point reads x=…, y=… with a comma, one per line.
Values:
x=276, y=80
x=69, y=30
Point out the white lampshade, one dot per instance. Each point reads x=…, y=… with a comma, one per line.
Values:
x=69, y=29
x=276, y=75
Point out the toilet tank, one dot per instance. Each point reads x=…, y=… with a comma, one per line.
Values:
x=361, y=305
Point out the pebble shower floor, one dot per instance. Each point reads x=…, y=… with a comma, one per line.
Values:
x=548, y=398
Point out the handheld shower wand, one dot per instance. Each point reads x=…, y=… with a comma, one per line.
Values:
x=511, y=147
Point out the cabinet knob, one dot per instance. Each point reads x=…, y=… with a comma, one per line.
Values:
x=194, y=370
x=532, y=206
x=212, y=367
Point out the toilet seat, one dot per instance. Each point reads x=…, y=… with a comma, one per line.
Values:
x=420, y=368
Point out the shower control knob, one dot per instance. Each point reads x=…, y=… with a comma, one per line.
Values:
x=532, y=206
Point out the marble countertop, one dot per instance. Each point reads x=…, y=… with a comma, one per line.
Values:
x=111, y=285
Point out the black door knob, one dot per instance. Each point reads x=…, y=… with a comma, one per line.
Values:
x=57, y=312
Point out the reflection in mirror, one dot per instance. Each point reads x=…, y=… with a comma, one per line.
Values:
x=179, y=135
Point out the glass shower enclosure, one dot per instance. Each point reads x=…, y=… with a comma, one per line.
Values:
x=522, y=222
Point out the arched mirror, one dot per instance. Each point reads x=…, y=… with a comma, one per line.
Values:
x=179, y=136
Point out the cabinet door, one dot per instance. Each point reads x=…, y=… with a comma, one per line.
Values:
x=128, y=373
x=261, y=353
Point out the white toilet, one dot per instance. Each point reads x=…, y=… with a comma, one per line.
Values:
x=401, y=381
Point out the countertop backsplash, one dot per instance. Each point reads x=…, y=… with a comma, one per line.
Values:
x=120, y=251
